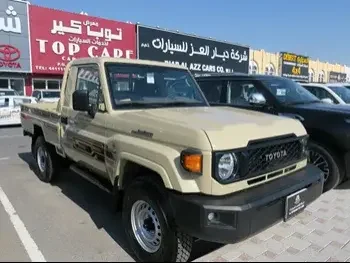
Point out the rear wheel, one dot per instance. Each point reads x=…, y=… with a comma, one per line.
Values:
x=149, y=226
x=328, y=162
x=47, y=161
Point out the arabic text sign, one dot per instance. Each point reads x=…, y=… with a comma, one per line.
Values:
x=58, y=37
x=14, y=37
x=198, y=54
x=294, y=66
x=337, y=77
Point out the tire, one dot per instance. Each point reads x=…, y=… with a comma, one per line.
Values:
x=47, y=167
x=330, y=163
x=174, y=246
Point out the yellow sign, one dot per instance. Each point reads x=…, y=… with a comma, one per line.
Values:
x=296, y=70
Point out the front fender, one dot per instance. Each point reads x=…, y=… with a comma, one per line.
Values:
x=162, y=159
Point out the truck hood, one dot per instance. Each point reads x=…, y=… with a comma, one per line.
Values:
x=225, y=127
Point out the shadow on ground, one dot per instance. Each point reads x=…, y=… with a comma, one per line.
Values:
x=344, y=186
x=98, y=205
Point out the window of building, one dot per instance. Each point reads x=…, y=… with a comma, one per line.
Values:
x=253, y=67
x=321, y=77
x=17, y=84
x=311, y=75
x=47, y=84
x=270, y=69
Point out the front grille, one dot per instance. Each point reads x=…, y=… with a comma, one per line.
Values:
x=271, y=157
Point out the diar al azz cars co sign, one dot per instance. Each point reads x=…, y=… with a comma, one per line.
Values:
x=294, y=66
x=337, y=77
x=14, y=37
x=197, y=54
x=57, y=37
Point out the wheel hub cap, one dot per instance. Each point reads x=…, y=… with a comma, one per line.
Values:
x=146, y=226
x=41, y=159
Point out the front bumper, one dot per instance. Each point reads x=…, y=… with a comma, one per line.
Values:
x=246, y=213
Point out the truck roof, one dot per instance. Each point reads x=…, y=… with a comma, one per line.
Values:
x=102, y=60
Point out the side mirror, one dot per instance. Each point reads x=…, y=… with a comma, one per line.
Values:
x=81, y=100
x=327, y=100
x=257, y=98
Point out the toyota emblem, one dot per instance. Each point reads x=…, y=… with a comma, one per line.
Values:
x=9, y=53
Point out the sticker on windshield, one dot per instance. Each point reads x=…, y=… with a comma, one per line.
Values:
x=281, y=92
x=150, y=78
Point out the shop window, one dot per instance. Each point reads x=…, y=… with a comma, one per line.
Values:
x=4, y=83
x=46, y=84
x=270, y=69
x=53, y=84
x=17, y=85
x=39, y=84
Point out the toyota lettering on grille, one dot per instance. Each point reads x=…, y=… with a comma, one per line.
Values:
x=9, y=56
x=275, y=155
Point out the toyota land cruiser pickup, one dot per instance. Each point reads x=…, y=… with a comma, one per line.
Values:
x=177, y=168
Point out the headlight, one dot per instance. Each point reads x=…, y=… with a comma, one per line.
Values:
x=227, y=167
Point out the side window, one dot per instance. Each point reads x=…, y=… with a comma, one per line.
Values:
x=322, y=94
x=88, y=79
x=213, y=90
x=240, y=92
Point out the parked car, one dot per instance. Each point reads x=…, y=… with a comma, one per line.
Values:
x=46, y=95
x=8, y=92
x=178, y=168
x=10, y=109
x=327, y=124
x=330, y=92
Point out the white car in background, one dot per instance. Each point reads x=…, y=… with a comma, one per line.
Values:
x=8, y=92
x=46, y=95
x=10, y=109
x=336, y=93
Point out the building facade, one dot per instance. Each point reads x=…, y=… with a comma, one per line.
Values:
x=263, y=62
x=15, y=63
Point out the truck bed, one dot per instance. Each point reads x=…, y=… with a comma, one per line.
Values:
x=42, y=115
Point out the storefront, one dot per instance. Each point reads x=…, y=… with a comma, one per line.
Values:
x=58, y=37
x=15, y=65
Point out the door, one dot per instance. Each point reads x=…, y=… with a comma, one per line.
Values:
x=84, y=136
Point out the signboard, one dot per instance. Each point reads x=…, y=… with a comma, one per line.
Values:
x=197, y=54
x=336, y=77
x=14, y=37
x=294, y=66
x=57, y=37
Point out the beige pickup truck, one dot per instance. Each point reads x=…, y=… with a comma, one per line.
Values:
x=178, y=169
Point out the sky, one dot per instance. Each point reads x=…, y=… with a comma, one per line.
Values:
x=318, y=29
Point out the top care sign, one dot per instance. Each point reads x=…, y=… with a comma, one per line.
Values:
x=197, y=54
x=57, y=37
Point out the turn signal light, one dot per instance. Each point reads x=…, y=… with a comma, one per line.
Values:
x=192, y=161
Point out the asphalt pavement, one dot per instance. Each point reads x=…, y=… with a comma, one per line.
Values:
x=70, y=220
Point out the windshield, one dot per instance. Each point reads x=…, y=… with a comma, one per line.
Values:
x=7, y=93
x=51, y=94
x=287, y=91
x=342, y=92
x=152, y=86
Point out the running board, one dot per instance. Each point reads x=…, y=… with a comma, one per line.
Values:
x=91, y=178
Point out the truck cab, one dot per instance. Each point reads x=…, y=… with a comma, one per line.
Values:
x=177, y=168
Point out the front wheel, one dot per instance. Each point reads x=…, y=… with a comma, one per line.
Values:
x=327, y=161
x=149, y=227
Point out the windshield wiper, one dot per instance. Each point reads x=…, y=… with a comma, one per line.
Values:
x=182, y=103
x=138, y=104
x=302, y=102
